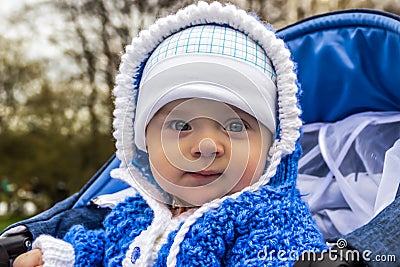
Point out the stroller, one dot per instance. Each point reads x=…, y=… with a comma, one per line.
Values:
x=347, y=64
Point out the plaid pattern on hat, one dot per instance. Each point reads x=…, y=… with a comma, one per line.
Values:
x=216, y=40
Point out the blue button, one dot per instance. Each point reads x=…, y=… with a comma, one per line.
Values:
x=135, y=254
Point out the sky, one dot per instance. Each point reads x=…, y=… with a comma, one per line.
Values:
x=36, y=45
x=8, y=7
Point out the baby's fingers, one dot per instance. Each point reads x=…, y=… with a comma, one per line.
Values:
x=31, y=258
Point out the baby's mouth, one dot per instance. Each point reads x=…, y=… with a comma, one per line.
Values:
x=206, y=175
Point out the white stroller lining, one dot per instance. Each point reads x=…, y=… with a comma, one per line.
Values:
x=340, y=172
x=390, y=178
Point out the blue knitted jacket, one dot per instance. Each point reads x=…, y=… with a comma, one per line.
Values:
x=269, y=227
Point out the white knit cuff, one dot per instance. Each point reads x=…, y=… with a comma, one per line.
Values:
x=56, y=252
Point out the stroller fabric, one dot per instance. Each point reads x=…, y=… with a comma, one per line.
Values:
x=344, y=174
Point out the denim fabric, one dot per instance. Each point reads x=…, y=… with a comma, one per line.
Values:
x=381, y=236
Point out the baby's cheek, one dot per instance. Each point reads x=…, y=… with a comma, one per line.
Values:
x=256, y=165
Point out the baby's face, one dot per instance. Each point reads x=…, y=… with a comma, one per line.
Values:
x=202, y=149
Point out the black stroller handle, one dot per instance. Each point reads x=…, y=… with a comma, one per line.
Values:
x=13, y=245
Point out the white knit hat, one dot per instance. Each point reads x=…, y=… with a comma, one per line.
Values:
x=207, y=61
x=215, y=13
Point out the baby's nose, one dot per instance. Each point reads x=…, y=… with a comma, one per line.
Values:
x=207, y=147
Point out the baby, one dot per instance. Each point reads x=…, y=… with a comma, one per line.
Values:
x=206, y=127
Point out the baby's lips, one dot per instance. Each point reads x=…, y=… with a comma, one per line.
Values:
x=209, y=173
x=206, y=174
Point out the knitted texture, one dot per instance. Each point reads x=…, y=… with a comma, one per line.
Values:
x=55, y=252
x=88, y=245
x=125, y=223
x=108, y=246
x=248, y=231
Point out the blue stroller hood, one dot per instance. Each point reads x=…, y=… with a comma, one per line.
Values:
x=347, y=62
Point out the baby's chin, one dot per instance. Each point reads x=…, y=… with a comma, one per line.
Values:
x=199, y=195
x=199, y=189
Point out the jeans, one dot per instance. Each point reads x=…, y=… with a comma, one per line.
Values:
x=379, y=240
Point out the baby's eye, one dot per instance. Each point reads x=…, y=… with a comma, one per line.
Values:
x=236, y=126
x=180, y=125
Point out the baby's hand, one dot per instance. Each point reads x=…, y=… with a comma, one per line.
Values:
x=31, y=258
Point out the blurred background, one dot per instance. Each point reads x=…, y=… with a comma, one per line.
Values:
x=58, y=60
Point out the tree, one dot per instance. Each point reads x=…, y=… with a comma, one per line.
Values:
x=39, y=128
x=19, y=78
x=95, y=32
